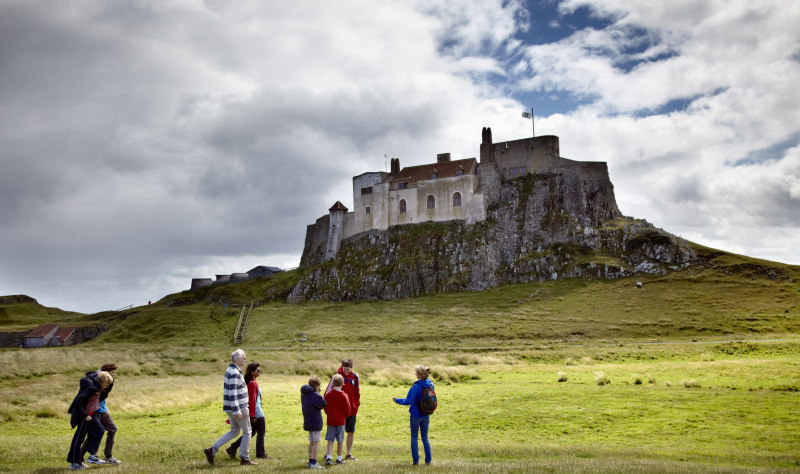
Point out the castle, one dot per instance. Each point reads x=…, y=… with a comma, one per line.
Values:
x=445, y=190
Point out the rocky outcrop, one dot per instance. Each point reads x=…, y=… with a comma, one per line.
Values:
x=538, y=227
x=17, y=299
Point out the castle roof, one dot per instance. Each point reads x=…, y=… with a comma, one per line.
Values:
x=338, y=207
x=64, y=333
x=446, y=169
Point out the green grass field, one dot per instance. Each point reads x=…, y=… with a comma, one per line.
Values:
x=517, y=371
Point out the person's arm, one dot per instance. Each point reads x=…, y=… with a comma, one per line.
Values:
x=252, y=394
x=413, y=392
x=319, y=403
x=357, y=401
x=347, y=406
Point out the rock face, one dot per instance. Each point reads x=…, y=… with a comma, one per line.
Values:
x=16, y=299
x=538, y=227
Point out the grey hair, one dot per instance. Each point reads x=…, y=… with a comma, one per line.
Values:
x=237, y=354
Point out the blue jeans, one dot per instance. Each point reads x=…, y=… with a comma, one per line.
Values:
x=420, y=424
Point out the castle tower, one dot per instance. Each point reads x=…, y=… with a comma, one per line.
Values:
x=487, y=148
x=335, y=230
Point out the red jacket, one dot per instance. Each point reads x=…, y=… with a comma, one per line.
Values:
x=252, y=395
x=351, y=388
x=338, y=408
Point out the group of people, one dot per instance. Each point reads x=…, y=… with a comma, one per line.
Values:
x=241, y=401
x=91, y=419
x=241, y=396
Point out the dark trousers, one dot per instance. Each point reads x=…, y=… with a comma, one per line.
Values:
x=259, y=427
x=94, y=430
x=111, y=430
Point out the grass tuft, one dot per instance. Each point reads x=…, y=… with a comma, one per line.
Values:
x=562, y=377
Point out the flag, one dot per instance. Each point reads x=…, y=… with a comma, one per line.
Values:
x=526, y=115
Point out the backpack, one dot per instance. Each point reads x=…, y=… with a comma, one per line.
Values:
x=427, y=401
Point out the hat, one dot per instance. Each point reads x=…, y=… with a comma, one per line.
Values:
x=109, y=367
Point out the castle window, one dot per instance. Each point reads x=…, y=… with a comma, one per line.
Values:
x=402, y=185
x=433, y=175
x=457, y=200
x=367, y=209
x=459, y=172
x=402, y=206
x=431, y=202
x=365, y=191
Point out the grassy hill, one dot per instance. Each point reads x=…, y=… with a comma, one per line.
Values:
x=28, y=313
x=726, y=296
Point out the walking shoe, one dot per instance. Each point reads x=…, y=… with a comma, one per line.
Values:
x=327, y=461
x=76, y=466
x=113, y=460
x=350, y=457
x=315, y=466
x=231, y=452
x=247, y=462
x=340, y=461
x=85, y=466
x=209, y=455
x=266, y=456
x=93, y=459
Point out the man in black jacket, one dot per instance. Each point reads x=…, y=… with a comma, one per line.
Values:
x=82, y=408
x=105, y=420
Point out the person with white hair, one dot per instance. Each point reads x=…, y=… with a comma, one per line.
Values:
x=235, y=401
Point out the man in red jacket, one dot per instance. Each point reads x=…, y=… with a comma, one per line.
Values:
x=353, y=391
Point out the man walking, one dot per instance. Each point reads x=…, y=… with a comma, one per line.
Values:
x=235, y=404
x=105, y=420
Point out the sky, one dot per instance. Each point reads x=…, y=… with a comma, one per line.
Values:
x=144, y=143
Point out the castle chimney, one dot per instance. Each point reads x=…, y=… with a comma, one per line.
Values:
x=443, y=157
x=395, y=169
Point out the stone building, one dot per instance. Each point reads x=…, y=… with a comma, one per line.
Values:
x=441, y=191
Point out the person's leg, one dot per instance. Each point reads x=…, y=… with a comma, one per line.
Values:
x=313, y=449
x=330, y=436
x=260, y=429
x=235, y=445
x=232, y=434
x=74, y=455
x=423, y=428
x=350, y=429
x=414, y=433
x=244, y=449
x=111, y=431
x=94, y=433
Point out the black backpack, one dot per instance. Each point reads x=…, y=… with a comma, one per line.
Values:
x=427, y=401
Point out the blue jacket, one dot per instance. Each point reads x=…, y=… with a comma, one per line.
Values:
x=313, y=403
x=413, y=397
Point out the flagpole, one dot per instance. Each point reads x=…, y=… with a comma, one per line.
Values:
x=532, y=125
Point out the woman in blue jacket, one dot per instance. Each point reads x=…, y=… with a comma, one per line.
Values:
x=419, y=421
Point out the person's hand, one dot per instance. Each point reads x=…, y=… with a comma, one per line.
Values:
x=88, y=417
x=252, y=420
x=238, y=416
x=394, y=399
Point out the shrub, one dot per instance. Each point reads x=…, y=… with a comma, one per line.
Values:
x=562, y=377
x=601, y=379
x=637, y=379
x=690, y=383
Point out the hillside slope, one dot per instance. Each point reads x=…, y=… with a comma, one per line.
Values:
x=722, y=296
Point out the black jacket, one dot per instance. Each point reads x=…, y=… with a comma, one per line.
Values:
x=89, y=385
